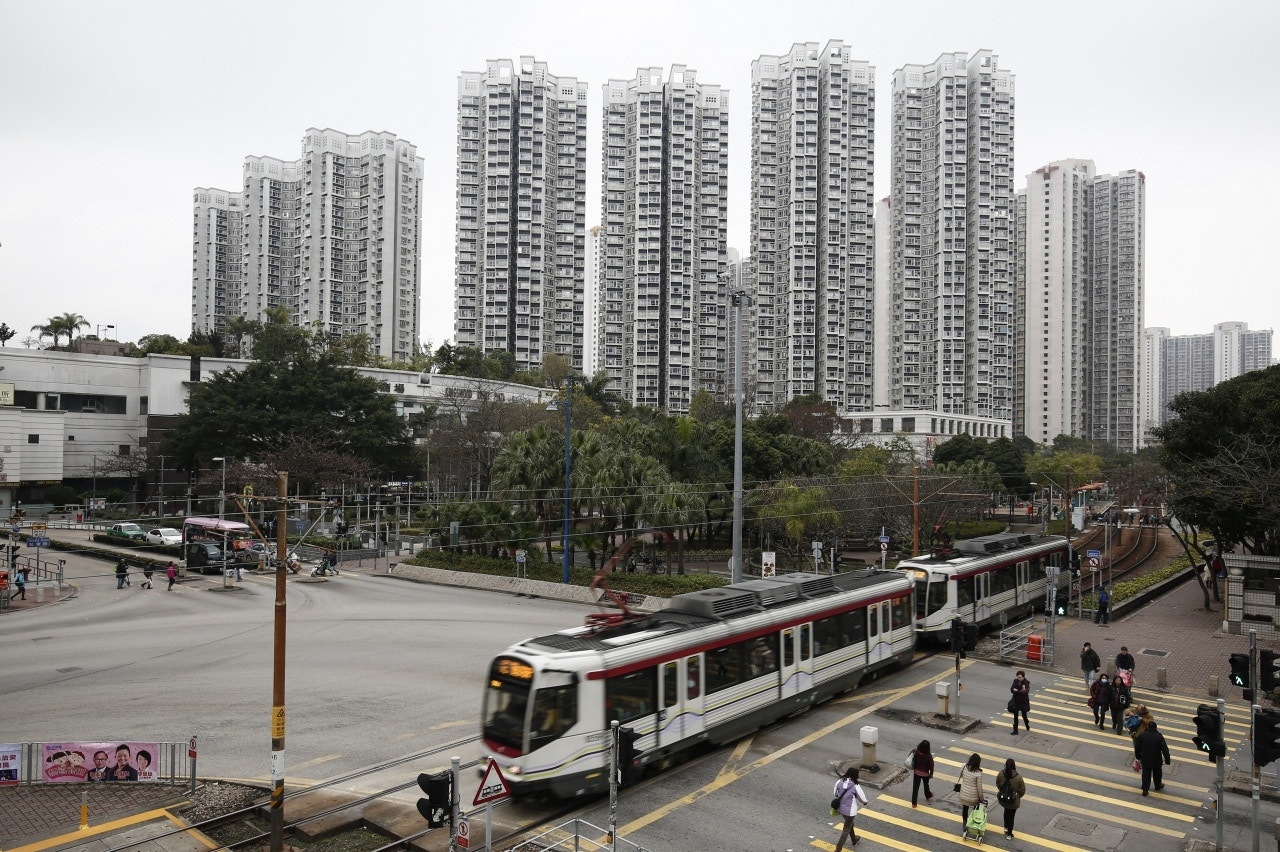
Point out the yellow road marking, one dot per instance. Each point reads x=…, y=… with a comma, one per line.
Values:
x=740, y=749
x=993, y=826
x=315, y=760
x=725, y=779
x=1126, y=772
x=112, y=826
x=1112, y=741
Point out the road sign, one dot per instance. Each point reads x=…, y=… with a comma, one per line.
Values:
x=884, y=539
x=464, y=834
x=38, y=527
x=37, y=541
x=884, y=545
x=1093, y=554
x=1094, y=563
x=768, y=563
x=521, y=555
x=16, y=529
x=492, y=786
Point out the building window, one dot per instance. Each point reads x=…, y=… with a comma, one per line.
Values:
x=33, y=439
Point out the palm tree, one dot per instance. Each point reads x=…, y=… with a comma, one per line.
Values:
x=67, y=324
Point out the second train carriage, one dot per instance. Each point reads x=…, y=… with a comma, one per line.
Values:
x=710, y=667
x=977, y=579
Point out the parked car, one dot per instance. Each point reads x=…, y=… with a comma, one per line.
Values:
x=131, y=532
x=164, y=536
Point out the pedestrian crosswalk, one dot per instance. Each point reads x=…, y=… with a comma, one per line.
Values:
x=1082, y=793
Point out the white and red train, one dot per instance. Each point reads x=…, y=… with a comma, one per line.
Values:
x=717, y=664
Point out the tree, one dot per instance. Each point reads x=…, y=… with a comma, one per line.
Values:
x=159, y=344
x=1222, y=453
x=812, y=417
x=6, y=333
x=251, y=414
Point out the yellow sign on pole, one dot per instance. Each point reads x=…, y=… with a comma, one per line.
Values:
x=277, y=722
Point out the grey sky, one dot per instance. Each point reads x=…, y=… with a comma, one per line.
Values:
x=112, y=111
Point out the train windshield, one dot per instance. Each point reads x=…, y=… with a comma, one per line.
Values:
x=931, y=593
x=506, y=702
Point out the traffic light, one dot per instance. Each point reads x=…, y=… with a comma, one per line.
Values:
x=1266, y=736
x=438, y=804
x=1240, y=670
x=957, y=636
x=1208, y=738
x=970, y=637
x=1267, y=674
x=629, y=768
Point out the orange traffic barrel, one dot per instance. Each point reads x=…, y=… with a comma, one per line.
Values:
x=1033, y=647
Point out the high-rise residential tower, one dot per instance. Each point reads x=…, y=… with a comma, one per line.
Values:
x=332, y=238
x=664, y=223
x=521, y=212
x=1080, y=305
x=951, y=233
x=812, y=228
x=1196, y=362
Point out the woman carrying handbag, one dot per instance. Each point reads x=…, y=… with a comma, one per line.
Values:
x=848, y=795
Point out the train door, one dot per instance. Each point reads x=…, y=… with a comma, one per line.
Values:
x=879, y=635
x=793, y=662
x=672, y=688
x=1024, y=594
x=982, y=597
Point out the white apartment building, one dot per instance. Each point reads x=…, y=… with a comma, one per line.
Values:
x=812, y=164
x=952, y=237
x=664, y=214
x=1081, y=244
x=521, y=208
x=592, y=303
x=1196, y=362
x=332, y=238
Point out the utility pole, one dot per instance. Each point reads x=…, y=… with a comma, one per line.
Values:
x=735, y=570
x=277, y=684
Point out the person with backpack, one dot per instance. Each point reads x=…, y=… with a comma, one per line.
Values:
x=1121, y=698
x=1010, y=788
x=847, y=796
x=1104, y=605
x=19, y=586
x=921, y=772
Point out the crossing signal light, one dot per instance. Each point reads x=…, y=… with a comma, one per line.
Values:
x=957, y=637
x=1266, y=736
x=438, y=804
x=629, y=769
x=1269, y=677
x=1240, y=669
x=1208, y=738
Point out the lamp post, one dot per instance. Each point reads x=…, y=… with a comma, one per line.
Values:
x=568, y=466
x=161, y=489
x=735, y=570
x=101, y=327
x=222, y=494
x=93, y=501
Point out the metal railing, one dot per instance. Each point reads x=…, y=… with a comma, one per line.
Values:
x=1016, y=641
x=573, y=836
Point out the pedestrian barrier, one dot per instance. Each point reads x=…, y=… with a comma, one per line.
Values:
x=1028, y=639
x=1034, y=642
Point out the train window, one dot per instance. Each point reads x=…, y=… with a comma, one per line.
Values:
x=884, y=617
x=505, y=704
x=873, y=618
x=763, y=655
x=826, y=635
x=901, y=612
x=1004, y=580
x=724, y=667
x=805, y=631
x=937, y=595
x=964, y=592
x=670, y=684
x=629, y=696
x=555, y=710
x=693, y=671
x=853, y=627
x=788, y=648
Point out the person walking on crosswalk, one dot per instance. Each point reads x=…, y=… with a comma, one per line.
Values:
x=1151, y=750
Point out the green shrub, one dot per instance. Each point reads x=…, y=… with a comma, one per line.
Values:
x=1126, y=589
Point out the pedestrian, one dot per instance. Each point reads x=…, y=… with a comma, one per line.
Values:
x=921, y=772
x=1125, y=663
x=1021, y=700
x=147, y=571
x=1137, y=719
x=122, y=573
x=1150, y=749
x=1102, y=614
x=172, y=573
x=1090, y=664
x=848, y=795
x=969, y=786
x=1100, y=700
x=1121, y=698
x=1010, y=788
x=19, y=586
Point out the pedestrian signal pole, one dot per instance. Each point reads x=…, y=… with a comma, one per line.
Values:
x=1222, y=771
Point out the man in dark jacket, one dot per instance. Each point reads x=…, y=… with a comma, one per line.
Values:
x=1153, y=753
x=1089, y=664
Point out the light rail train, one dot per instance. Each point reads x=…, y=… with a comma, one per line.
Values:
x=711, y=667
x=978, y=579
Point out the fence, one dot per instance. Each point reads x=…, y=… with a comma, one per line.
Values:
x=573, y=836
x=1029, y=640
x=32, y=763
x=39, y=574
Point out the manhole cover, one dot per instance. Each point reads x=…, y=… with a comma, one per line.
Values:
x=1154, y=652
x=1076, y=826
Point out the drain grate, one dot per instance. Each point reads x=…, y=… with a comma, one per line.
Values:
x=1154, y=652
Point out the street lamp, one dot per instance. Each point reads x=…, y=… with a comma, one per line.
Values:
x=735, y=570
x=568, y=450
x=222, y=494
x=101, y=327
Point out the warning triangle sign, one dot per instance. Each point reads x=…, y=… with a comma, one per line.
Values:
x=492, y=786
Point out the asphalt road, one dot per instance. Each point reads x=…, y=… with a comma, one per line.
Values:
x=377, y=667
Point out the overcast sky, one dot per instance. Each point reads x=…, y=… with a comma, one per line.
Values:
x=112, y=111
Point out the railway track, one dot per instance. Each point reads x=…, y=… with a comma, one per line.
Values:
x=1128, y=554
